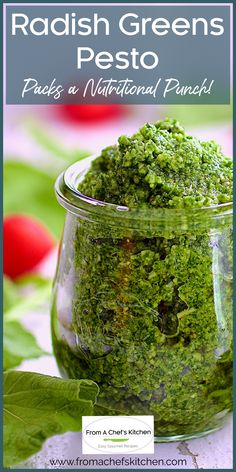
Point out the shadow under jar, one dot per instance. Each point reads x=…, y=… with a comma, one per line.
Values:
x=142, y=305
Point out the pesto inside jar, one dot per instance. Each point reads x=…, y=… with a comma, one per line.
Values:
x=151, y=308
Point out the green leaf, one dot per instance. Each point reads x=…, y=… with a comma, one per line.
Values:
x=18, y=345
x=29, y=303
x=30, y=191
x=50, y=144
x=11, y=295
x=37, y=407
x=15, y=305
x=196, y=115
x=32, y=279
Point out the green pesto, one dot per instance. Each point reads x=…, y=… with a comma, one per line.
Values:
x=152, y=309
x=161, y=166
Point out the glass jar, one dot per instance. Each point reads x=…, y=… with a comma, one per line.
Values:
x=142, y=305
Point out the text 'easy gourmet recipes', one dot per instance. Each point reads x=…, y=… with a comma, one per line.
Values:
x=143, y=292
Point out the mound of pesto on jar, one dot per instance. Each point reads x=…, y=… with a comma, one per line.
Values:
x=143, y=291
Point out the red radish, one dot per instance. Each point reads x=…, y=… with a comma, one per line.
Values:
x=84, y=113
x=25, y=243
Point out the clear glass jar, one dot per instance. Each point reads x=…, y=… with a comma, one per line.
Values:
x=142, y=305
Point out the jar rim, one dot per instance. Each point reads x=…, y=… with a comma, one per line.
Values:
x=68, y=195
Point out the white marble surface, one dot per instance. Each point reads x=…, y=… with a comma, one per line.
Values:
x=211, y=452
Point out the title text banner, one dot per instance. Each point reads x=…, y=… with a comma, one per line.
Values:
x=140, y=54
